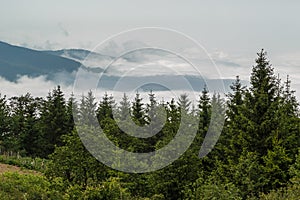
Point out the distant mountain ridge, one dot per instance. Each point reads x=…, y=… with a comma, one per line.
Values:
x=77, y=54
x=59, y=65
x=18, y=61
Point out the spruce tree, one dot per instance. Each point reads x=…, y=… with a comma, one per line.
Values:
x=260, y=106
x=138, y=110
x=53, y=121
x=24, y=130
x=31, y=137
x=72, y=113
x=232, y=140
x=184, y=103
x=105, y=108
x=87, y=110
x=258, y=123
x=156, y=118
x=124, y=108
x=173, y=113
x=289, y=120
x=235, y=99
x=4, y=123
x=150, y=107
x=204, y=111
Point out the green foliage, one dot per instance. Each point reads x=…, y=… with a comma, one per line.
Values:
x=105, y=108
x=4, y=123
x=17, y=186
x=212, y=188
x=291, y=192
x=276, y=165
x=54, y=122
x=204, y=111
x=23, y=132
x=261, y=132
x=294, y=170
x=74, y=163
x=87, y=110
x=255, y=157
x=138, y=110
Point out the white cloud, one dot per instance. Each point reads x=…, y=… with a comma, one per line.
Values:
x=38, y=86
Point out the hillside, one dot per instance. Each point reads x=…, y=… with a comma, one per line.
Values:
x=15, y=61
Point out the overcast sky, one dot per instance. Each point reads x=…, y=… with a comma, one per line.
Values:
x=229, y=30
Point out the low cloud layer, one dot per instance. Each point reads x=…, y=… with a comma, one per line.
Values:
x=134, y=69
x=38, y=86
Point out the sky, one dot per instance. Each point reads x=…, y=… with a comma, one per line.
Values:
x=231, y=31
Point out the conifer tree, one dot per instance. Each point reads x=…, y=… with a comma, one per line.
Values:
x=53, y=121
x=204, y=111
x=235, y=99
x=156, y=118
x=231, y=137
x=289, y=122
x=172, y=124
x=138, y=110
x=24, y=130
x=105, y=108
x=260, y=106
x=124, y=108
x=150, y=107
x=184, y=103
x=4, y=123
x=72, y=113
x=87, y=110
x=255, y=125
x=30, y=139
x=173, y=113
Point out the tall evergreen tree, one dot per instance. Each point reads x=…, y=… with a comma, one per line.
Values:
x=156, y=118
x=31, y=137
x=184, y=103
x=287, y=116
x=260, y=106
x=231, y=138
x=53, y=121
x=87, y=110
x=204, y=111
x=235, y=99
x=72, y=113
x=254, y=125
x=4, y=123
x=173, y=113
x=150, y=107
x=105, y=108
x=24, y=119
x=124, y=108
x=138, y=110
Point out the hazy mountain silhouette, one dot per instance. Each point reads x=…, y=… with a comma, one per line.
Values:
x=17, y=61
x=58, y=65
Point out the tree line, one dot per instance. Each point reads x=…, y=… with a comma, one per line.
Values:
x=257, y=152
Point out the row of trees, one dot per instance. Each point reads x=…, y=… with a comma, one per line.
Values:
x=256, y=152
x=33, y=126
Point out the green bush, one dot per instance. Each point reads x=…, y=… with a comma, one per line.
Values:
x=26, y=186
x=14, y=186
x=212, y=188
x=292, y=192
